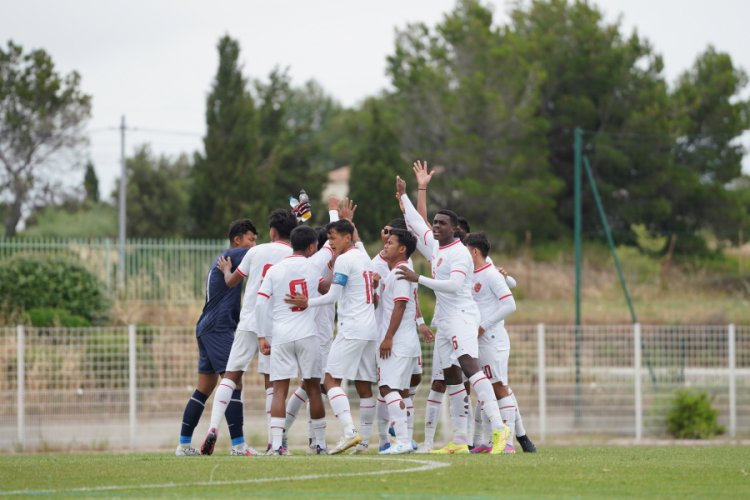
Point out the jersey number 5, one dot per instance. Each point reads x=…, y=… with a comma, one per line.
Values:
x=298, y=287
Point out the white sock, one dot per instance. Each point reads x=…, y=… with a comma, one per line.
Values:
x=221, y=400
x=469, y=422
x=298, y=398
x=478, y=428
x=384, y=420
x=409, y=418
x=487, y=427
x=432, y=415
x=458, y=400
x=486, y=395
x=340, y=406
x=508, y=413
x=520, y=429
x=269, y=399
x=366, y=416
x=277, y=432
x=397, y=413
x=319, y=432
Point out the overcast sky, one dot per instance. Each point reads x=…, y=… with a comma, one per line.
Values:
x=154, y=60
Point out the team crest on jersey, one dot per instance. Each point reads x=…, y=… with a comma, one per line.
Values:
x=477, y=287
x=440, y=261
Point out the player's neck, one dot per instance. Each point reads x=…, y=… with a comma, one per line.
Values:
x=447, y=241
x=479, y=263
x=398, y=260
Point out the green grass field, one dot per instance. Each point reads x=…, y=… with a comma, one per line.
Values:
x=668, y=472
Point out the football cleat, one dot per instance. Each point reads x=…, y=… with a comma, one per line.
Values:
x=526, y=445
x=398, y=449
x=452, y=449
x=361, y=449
x=244, y=452
x=384, y=447
x=499, y=438
x=278, y=452
x=312, y=449
x=481, y=448
x=424, y=448
x=208, y=444
x=414, y=445
x=345, y=443
x=509, y=450
x=320, y=451
x=186, y=451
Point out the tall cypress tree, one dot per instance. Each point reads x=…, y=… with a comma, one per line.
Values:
x=224, y=186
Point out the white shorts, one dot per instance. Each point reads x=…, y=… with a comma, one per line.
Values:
x=244, y=347
x=455, y=338
x=416, y=368
x=264, y=363
x=353, y=359
x=299, y=357
x=437, y=372
x=324, y=350
x=494, y=364
x=395, y=372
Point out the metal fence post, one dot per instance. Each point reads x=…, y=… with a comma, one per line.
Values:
x=732, y=381
x=541, y=374
x=637, y=380
x=131, y=377
x=21, y=382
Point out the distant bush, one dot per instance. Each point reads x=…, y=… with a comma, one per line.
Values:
x=32, y=282
x=51, y=317
x=693, y=417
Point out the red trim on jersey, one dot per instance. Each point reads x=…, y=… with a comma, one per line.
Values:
x=506, y=296
x=263, y=294
x=404, y=262
x=458, y=271
x=401, y=299
x=478, y=380
x=329, y=249
x=482, y=268
x=243, y=274
x=425, y=234
x=450, y=244
x=282, y=243
x=381, y=256
x=294, y=255
x=458, y=392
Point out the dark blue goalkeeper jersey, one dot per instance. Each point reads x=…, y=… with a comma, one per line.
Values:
x=221, y=312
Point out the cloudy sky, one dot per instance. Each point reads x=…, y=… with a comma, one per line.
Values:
x=153, y=60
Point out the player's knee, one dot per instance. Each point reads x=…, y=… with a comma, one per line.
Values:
x=438, y=386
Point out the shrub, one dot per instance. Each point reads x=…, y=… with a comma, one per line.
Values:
x=692, y=416
x=51, y=317
x=29, y=282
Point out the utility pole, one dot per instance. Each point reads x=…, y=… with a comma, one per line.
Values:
x=122, y=201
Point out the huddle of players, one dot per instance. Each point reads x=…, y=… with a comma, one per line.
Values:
x=287, y=316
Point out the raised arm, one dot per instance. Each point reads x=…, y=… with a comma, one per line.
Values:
x=423, y=180
x=414, y=221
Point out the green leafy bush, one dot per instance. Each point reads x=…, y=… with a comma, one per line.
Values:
x=692, y=416
x=29, y=282
x=51, y=317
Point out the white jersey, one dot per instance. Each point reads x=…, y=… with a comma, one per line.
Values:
x=380, y=266
x=293, y=275
x=490, y=288
x=392, y=290
x=445, y=261
x=325, y=316
x=356, y=310
x=254, y=266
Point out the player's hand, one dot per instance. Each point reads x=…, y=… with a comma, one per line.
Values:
x=502, y=270
x=333, y=203
x=224, y=264
x=375, y=281
x=480, y=332
x=420, y=171
x=347, y=209
x=263, y=346
x=385, y=348
x=404, y=273
x=400, y=187
x=426, y=333
x=296, y=301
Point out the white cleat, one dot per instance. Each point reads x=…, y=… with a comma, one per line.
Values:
x=398, y=449
x=345, y=443
x=424, y=449
x=244, y=452
x=186, y=451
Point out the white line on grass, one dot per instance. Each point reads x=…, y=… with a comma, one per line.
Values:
x=425, y=465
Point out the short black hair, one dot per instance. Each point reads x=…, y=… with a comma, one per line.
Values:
x=398, y=223
x=478, y=241
x=322, y=236
x=240, y=227
x=464, y=224
x=407, y=239
x=302, y=237
x=451, y=214
x=342, y=226
x=283, y=221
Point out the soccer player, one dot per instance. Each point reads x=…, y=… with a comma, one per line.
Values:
x=399, y=343
x=294, y=346
x=214, y=333
x=353, y=352
x=254, y=266
x=457, y=319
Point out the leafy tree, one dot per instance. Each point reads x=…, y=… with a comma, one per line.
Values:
x=225, y=184
x=91, y=183
x=42, y=114
x=157, y=195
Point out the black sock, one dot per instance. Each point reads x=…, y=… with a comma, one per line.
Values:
x=235, y=418
x=191, y=416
